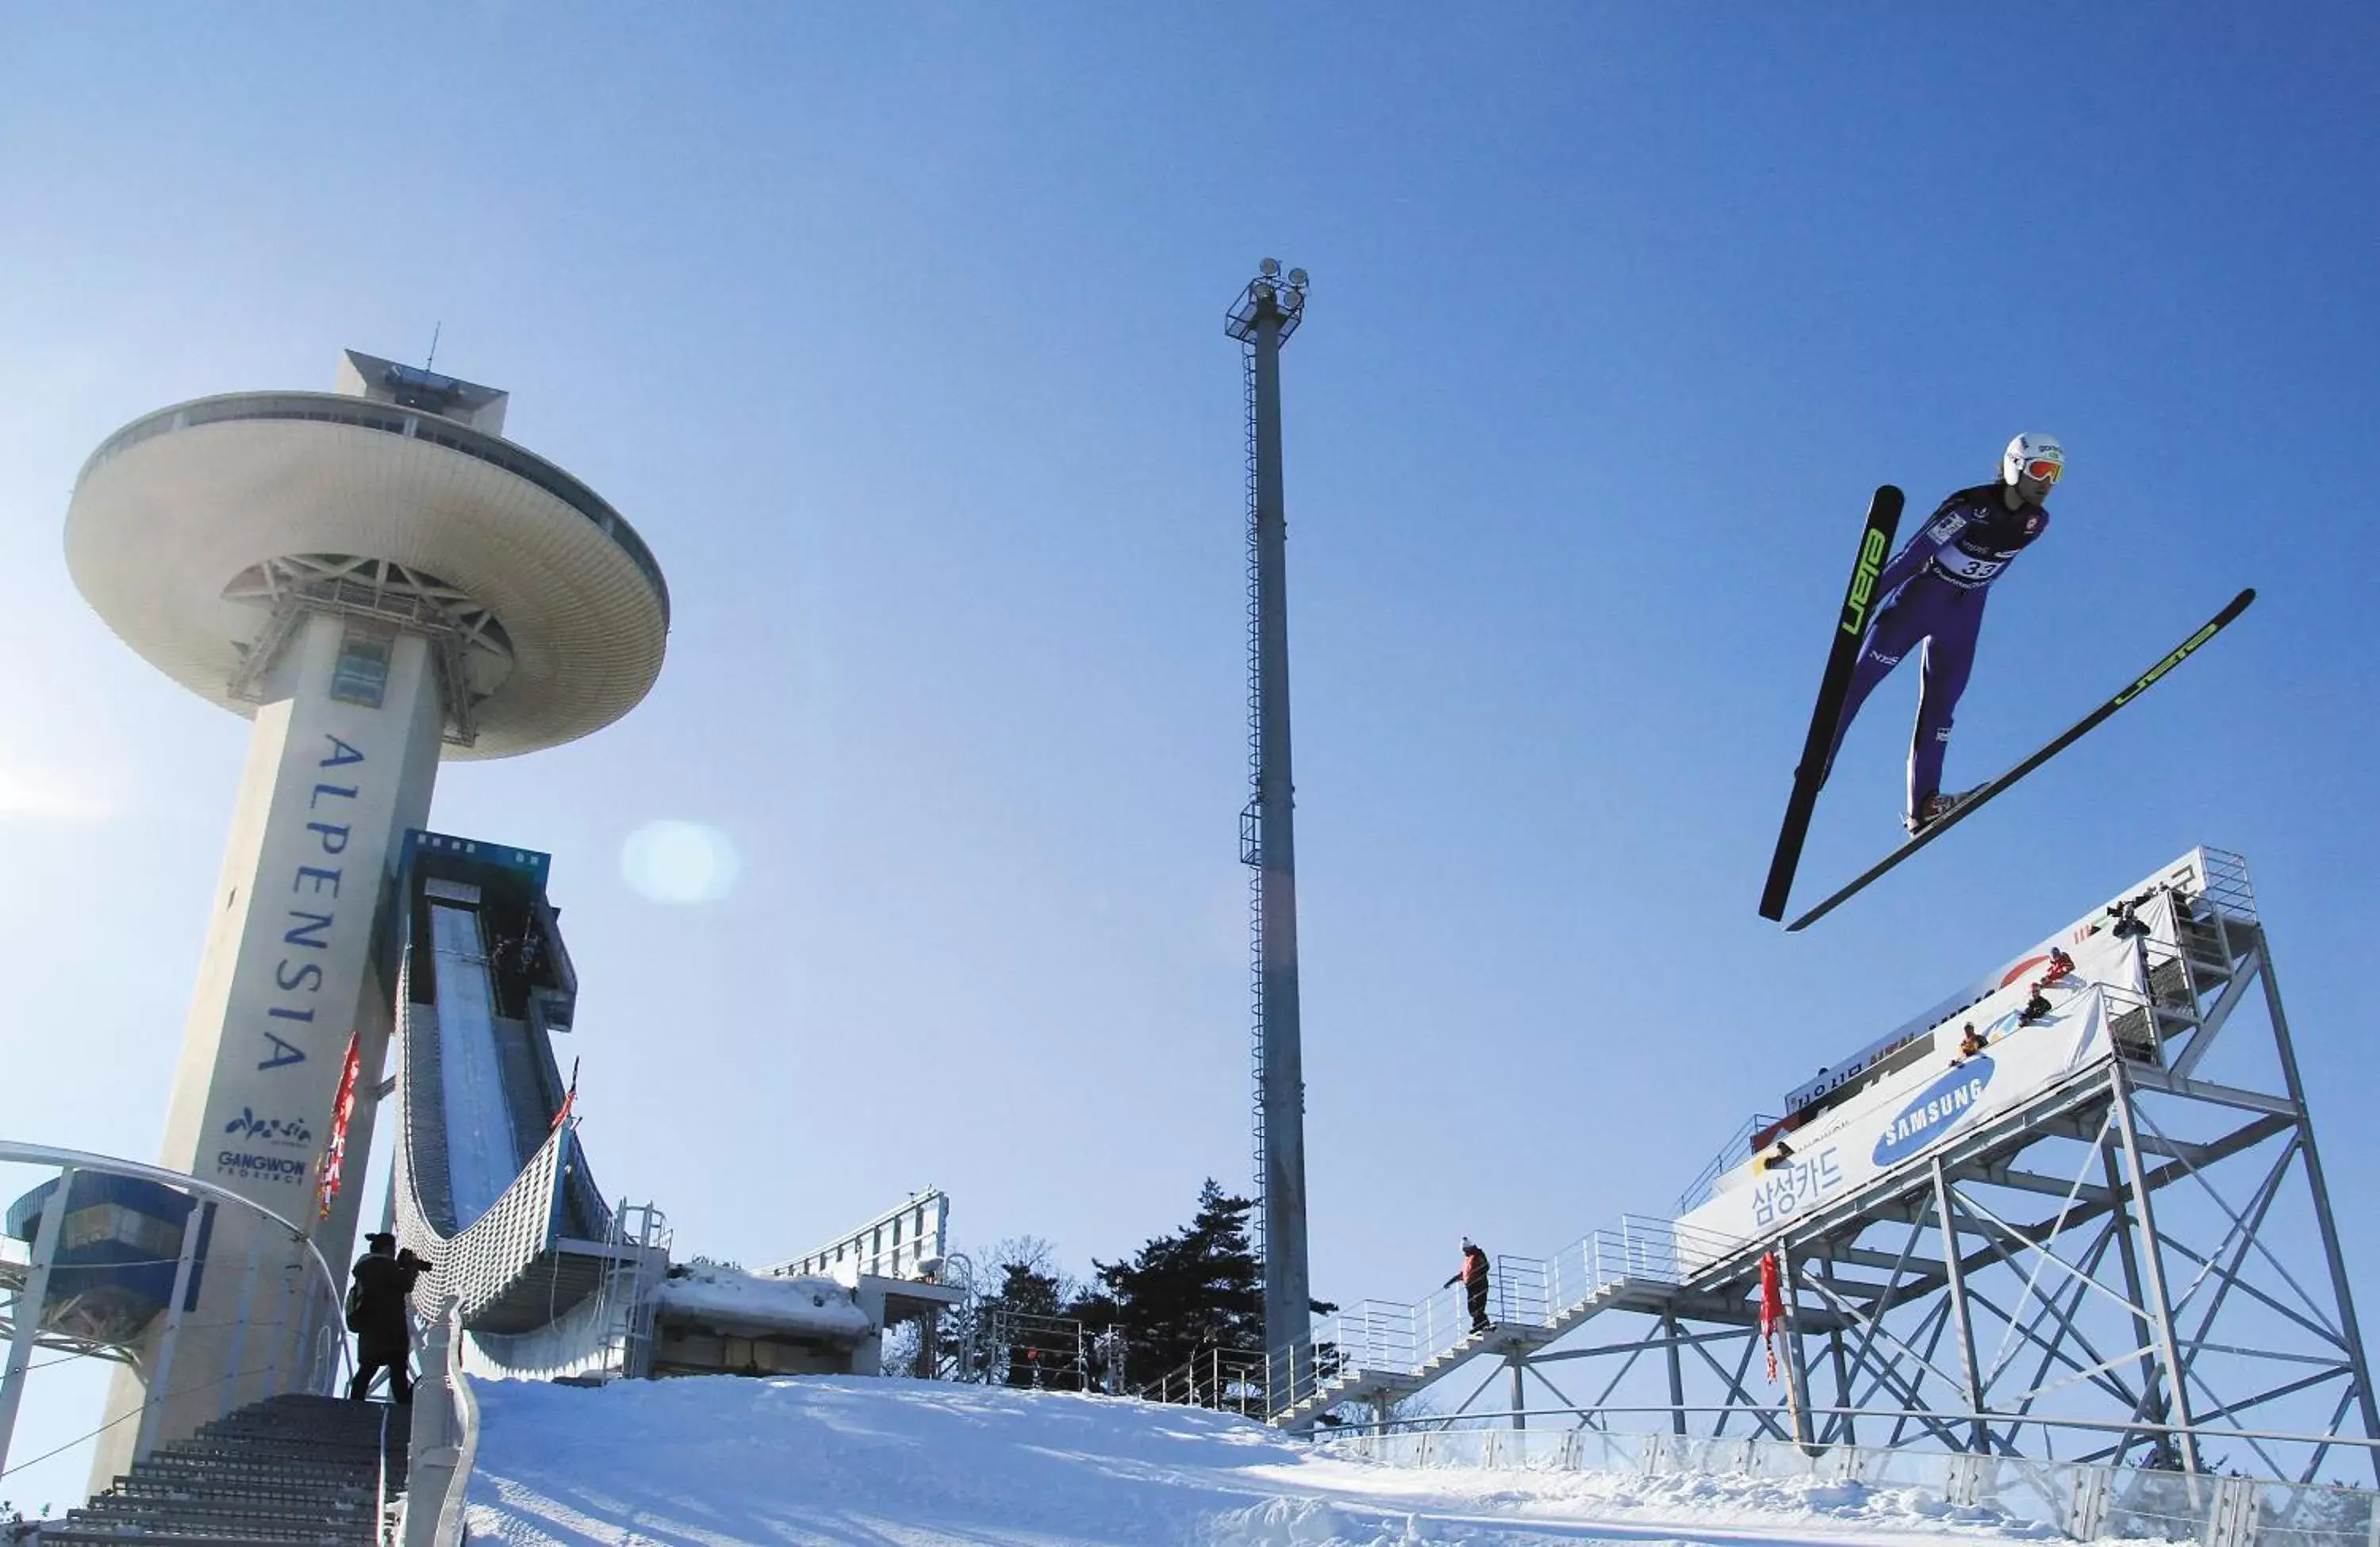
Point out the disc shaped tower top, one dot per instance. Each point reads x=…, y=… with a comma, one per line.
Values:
x=191, y=526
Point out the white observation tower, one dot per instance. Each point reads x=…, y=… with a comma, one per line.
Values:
x=378, y=580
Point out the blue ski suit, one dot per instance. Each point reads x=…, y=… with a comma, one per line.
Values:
x=1935, y=589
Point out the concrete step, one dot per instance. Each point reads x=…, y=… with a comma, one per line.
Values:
x=261, y=1506
x=277, y=1445
x=300, y=1507
x=287, y=1472
x=361, y=1534
x=199, y=1483
x=175, y=1520
x=294, y=1435
x=254, y=1469
x=77, y=1536
x=210, y=1447
x=301, y=1434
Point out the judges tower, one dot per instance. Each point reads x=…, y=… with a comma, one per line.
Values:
x=377, y=579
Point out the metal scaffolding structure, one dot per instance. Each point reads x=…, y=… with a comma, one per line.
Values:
x=2137, y=1265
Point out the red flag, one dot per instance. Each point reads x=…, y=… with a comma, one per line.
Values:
x=334, y=1156
x=569, y=1098
x=1772, y=1308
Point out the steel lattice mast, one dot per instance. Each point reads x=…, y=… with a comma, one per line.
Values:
x=1268, y=312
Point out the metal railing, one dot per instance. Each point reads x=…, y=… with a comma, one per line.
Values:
x=319, y=1362
x=1534, y=1297
x=2225, y=886
x=479, y=1264
x=445, y=1441
x=1227, y=1379
x=909, y=1240
x=1729, y=1155
x=640, y=1235
x=380, y=1521
x=1026, y=1349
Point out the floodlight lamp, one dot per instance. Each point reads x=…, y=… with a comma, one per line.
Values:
x=1297, y=277
x=1269, y=267
x=1262, y=291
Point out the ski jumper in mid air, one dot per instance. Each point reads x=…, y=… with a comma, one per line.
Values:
x=1935, y=589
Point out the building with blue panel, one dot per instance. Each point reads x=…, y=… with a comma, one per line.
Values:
x=119, y=1244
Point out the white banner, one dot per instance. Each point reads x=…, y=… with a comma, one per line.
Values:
x=1932, y=1095
x=2086, y=935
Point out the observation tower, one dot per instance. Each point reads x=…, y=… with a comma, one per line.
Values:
x=378, y=580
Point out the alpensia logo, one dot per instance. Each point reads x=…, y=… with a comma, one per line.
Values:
x=1934, y=1110
x=273, y=1130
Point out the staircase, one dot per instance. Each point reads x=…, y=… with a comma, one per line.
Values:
x=1351, y=1381
x=289, y=1470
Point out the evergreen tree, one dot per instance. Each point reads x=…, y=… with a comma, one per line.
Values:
x=1040, y=1349
x=1183, y=1295
x=1024, y=1290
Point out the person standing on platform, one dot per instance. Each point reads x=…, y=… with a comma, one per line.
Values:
x=1473, y=1277
x=383, y=1277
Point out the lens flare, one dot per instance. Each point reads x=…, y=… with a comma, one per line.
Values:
x=41, y=797
x=679, y=863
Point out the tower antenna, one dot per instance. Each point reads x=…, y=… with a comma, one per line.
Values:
x=434, y=329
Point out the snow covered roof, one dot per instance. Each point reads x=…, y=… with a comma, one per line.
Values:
x=732, y=1301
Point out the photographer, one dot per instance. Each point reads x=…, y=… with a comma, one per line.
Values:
x=376, y=1314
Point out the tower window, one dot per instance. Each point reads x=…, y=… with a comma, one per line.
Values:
x=361, y=674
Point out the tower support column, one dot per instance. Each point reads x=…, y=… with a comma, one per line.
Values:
x=1268, y=312
x=341, y=763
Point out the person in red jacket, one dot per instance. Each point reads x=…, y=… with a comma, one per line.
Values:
x=1474, y=1279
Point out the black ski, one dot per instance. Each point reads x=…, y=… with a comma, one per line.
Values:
x=2074, y=733
x=1851, y=629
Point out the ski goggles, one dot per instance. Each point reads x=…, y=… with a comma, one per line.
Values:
x=2041, y=470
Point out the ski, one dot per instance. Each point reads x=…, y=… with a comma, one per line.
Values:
x=2073, y=733
x=1833, y=684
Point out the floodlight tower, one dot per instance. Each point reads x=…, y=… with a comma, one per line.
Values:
x=1268, y=312
x=378, y=580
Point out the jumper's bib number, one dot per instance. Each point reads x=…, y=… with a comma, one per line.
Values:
x=1961, y=566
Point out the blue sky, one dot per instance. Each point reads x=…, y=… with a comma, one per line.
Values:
x=897, y=333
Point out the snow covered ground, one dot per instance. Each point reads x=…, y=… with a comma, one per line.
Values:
x=890, y=1462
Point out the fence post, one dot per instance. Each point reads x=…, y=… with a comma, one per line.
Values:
x=30, y=1301
x=240, y=1319
x=2086, y=1503
x=194, y=1226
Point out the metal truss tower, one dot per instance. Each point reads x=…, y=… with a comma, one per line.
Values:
x=1266, y=314
x=2136, y=1266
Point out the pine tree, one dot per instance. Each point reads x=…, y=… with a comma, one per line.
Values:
x=1185, y=1294
x=1024, y=1290
x=1024, y=1330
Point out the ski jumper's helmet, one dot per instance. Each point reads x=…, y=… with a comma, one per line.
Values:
x=2039, y=457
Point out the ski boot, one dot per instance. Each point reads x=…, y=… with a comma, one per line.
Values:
x=1935, y=806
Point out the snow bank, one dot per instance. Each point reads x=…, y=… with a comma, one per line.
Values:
x=716, y=1460
x=745, y=1304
